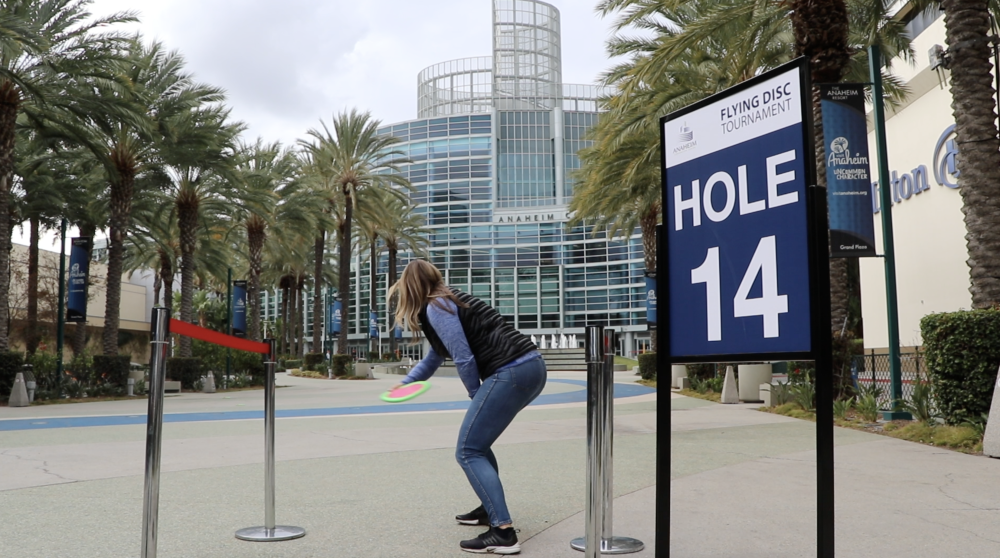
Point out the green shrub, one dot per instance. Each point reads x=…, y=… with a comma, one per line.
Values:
x=647, y=366
x=804, y=395
x=313, y=361
x=921, y=403
x=185, y=370
x=963, y=352
x=342, y=365
x=250, y=365
x=841, y=406
x=81, y=369
x=291, y=364
x=10, y=365
x=111, y=369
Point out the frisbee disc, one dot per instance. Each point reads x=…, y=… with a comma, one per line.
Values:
x=405, y=393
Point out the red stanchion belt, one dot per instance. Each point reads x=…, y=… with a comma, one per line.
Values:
x=196, y=332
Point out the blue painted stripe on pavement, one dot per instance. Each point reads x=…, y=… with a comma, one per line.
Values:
x=621, y=390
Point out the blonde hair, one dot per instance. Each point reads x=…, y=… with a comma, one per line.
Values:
x=419, y=284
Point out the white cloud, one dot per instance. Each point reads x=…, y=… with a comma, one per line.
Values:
x=287, y=64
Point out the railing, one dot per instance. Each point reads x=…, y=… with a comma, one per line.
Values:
x=872, y=369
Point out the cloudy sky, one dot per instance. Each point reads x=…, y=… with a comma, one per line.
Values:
x=288, y=64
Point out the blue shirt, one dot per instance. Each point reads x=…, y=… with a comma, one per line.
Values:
x=449, y=328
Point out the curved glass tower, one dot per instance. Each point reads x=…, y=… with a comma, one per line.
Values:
x=493, y=149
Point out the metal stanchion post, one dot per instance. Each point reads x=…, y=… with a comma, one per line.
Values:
x=270, y=531
x=154, y=428
x=600, y=353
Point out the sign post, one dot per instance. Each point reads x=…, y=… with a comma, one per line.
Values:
x=744, y=262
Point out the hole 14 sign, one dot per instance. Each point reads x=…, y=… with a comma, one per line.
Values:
x=736, y=170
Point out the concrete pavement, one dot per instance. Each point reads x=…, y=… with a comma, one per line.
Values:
x=386, y=484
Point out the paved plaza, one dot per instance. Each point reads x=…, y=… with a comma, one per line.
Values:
x=366, y=479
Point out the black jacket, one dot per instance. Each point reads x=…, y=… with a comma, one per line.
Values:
x=493, y=341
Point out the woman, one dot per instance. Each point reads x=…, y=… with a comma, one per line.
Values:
x=501, y=370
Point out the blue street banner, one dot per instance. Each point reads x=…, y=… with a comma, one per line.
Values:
x=240, y=308
x=399, y=332
x=79, y=273
x=736, y=167
x=373, y=325
x=651, y=299
x=335, y=312
x=848, y=174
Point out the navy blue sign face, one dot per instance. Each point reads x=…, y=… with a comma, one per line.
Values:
x=736, y=223
x=848, y=175
x=79, y=272
x=373, y=325
x=240, y=308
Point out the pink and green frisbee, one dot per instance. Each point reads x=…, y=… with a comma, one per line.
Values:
x=405, y=393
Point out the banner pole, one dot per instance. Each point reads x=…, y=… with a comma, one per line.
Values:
x=61, y=307
x=154, y=428
x=270, y=531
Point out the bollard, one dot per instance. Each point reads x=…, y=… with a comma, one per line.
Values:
x=598, y=539
x=269, y=531
x=154, y=428
x=131, y=387
x=31, y=385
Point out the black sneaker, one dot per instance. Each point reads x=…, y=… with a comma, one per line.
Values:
x=477, y=516
x=496, y=541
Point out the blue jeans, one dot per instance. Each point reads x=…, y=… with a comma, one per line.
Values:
x=495, y=405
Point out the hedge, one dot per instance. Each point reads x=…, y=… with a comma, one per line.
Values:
x=10, y=365
x=647, y=366
x=342, y=365
x=291, y=364
x=313, y=360
x=112, y=369
x=185, y=370
x=962, y=352
x=251, y=364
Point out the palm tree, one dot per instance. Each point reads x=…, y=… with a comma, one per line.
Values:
x=272, y=196
x=44, y=42
x=969, y=39
x=354, y=157
x=156, y=93
x=401, y=229
x=197, y=154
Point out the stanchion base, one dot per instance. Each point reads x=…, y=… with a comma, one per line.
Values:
x=614, y=545
x=263, y=534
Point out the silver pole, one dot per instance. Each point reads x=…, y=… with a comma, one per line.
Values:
x=270, y=531
x=269, y=370
x=607, y=413
x=154, y=428
x=600, y=353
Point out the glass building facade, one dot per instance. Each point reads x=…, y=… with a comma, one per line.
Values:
x=492, y=153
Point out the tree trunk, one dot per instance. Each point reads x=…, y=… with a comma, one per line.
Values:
x=187, y=217
x=647, y=224
x=294, y=318
x=821, y=30
x=256, y=235
x=967, y=24
x=285, y=299
x=317, y=321
x=300, y=323
x=10, y=102
x=79, y=341
x=373, y=289
x=31, y=329
x=344, y=281
x=122, y=188
x=391, y=304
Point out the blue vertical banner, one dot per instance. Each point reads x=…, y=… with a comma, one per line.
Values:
x=79, y=273
x=848, y=173
x=373, y=325
x=240, y=308
x=651, y=299
x=399, y=332
x=335, y=316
